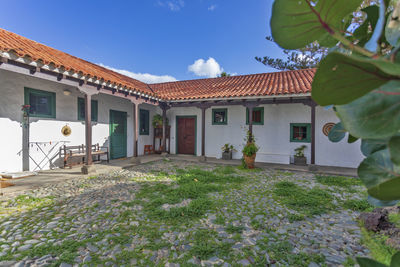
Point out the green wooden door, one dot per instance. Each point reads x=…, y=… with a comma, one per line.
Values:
x=118, y=134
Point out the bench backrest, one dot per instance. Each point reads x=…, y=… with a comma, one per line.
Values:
x=65, y=150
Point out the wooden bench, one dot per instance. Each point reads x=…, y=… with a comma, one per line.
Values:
x=69, y=152
x=148, y=149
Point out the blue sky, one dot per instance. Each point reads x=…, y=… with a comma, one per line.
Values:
x=157, y=37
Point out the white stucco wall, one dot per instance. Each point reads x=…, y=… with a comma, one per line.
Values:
x=46, y=130
x=273, y=137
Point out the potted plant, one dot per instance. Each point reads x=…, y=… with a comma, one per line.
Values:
x=158, y=121
x=227, y=150
x=299, y=158
x=249, y=151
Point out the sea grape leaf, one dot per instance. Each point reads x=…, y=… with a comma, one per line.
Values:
x=381, y=203
x=341, y=78
x=337, y=133
x=351, y=139
x=395, y=262
x=394, y=148
x=369, y=146
x=375, y=115
x=392, y=30
x=297, y=23
x=366, y=262
x=361, y=33
x=380, y=176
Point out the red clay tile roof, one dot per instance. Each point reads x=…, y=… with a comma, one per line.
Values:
x=24, y=47
x=264, y=84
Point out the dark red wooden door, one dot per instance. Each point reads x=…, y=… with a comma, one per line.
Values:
x=186, y=135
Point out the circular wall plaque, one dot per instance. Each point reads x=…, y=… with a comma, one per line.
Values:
x=327, y=128
x=66, y=130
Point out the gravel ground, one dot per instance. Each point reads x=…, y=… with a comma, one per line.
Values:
x=100, y=221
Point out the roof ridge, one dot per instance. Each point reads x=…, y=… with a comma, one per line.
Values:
x=233, y=76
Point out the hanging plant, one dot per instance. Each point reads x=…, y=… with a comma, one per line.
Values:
x=158, y=121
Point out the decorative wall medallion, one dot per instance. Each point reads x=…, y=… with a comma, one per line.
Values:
x=66, y=130
x=327, y=128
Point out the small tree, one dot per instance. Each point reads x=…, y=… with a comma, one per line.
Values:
x=224, y=74
x=303, y=58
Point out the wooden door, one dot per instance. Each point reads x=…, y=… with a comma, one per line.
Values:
x=118, y=134
x=186, y=131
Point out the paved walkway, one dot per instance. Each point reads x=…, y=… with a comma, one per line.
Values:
x=60, y=175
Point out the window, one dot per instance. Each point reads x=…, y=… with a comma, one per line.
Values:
x=220, y=116
x=144, y=122
x=81, y=109
x=258, y=116
x=42, y=103
x=300, y=132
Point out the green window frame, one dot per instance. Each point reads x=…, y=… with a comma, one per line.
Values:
x=32, y=98
x=296, y=135
x=144, y=122
x=81, y=109
x=258, y=109
x=217, y=111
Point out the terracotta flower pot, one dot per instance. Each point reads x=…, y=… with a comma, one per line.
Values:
x=249, y=161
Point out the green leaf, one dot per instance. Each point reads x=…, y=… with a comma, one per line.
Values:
x=395, y=260
x=341, y=78
x=392, y=30
x=369, y=146
x=337, y=133
x=381, y=203
x=375, y=115
x=351, y=139
x=366, y=262
x=362, y=33
x=380, y=176
x=394, y=148
x=297, y=23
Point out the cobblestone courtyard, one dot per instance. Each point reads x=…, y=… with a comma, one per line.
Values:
x=177, y=213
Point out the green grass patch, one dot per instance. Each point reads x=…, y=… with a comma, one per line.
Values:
x=225, y=170
x=26, y=203
x=194, y=184
x=244, y=169
x=313, y=201
x=339, y=181
x=281, y=251
x=395, y=218
x=358, y=205
x=206, y=245
x=234, y=229
x=295, y=217
x=376, y=243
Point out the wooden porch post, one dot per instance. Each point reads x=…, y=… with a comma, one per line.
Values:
x=164, y=131
x=135, y=128
x=251, y=122
x=203, y=131
x=88, y=128
x=203, y=107
x=313, y=105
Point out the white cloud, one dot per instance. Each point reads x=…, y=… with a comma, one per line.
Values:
x=209, y=68
x=173, y=5
x=212, y=7
x=143, y=77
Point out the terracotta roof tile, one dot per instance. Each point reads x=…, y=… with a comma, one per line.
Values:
x=23, y=47
x=263, y=84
